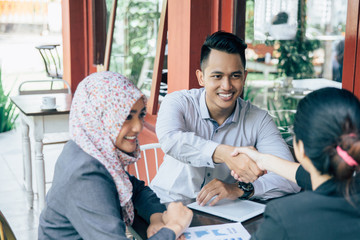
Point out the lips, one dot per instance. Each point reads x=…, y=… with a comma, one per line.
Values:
x=226, y=96
x=130, y=138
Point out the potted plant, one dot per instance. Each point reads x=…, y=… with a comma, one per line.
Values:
x=295, y=56
x=7, y=111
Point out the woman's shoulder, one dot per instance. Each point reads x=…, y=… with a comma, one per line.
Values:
x=294, y=205
x=74, y=162
x=289, y=201
x=311, y=203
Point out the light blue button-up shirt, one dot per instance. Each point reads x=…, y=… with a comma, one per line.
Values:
x=189, y=137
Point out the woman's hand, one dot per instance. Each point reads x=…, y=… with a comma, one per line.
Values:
x=252, y=153
x=268, y=162
x=177, y=218
x=156, y=223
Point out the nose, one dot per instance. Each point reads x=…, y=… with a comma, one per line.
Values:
x=137, y=125
x=226, y=83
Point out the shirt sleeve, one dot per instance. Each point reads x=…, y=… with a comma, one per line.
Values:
x=272, y=227
x=270, y=141
x=145, y=200
x=164, y=233
x=175, y=137
x=303, y=178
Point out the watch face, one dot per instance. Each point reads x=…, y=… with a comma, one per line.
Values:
x=247, y=187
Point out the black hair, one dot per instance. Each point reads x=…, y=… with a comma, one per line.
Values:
x=222, y=41
x=325, y=119
x=280, y=18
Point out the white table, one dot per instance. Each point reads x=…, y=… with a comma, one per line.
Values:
x=315, y=83
x=39, y=122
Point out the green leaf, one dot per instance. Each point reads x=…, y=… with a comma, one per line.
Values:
x=7, y=111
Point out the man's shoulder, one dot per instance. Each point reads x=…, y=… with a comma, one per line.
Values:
x=251, y=108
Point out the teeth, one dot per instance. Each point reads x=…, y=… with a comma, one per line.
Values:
x=130, y=138
x=225, y=95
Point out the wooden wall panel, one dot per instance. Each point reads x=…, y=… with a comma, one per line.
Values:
x=351, y=43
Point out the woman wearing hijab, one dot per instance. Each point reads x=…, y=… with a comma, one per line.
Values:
x=327, y=145
x=92, y=196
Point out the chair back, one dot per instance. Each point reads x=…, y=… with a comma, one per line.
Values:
x=5, y=231
x=44, y=87
x=147, y=167
x=51, y=58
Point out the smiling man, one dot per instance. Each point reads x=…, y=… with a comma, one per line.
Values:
x=199, y=128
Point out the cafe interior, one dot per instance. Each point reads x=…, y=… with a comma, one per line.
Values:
x=156, y=44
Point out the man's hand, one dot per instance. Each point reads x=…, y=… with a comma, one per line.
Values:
x=219, y=189
x=156, y=223
x=246, y=169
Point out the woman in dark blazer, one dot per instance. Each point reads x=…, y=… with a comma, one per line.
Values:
x=92, y=196
x=327, y=145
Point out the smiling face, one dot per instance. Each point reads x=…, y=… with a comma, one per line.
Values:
x=223, y=78
x=126, y=140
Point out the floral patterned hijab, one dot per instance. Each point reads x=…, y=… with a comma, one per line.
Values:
x=99, y=109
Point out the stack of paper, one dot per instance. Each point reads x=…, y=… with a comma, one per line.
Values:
x=236, y=210
x=218, y=232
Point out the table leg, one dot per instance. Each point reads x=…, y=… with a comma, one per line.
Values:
x=27, y=163
x=40, y=172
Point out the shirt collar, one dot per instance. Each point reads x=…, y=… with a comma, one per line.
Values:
x=203, y=108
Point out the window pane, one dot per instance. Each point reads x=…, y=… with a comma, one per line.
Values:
x=283, y=69
x=134, y=43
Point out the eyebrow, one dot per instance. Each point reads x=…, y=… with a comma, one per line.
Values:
x=218, y=72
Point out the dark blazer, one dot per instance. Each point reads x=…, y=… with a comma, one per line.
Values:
x=320, y=214
x=83, y=202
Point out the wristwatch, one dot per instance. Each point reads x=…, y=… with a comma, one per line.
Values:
x=248, y=189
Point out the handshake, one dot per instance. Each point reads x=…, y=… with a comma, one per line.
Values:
x=246, y=164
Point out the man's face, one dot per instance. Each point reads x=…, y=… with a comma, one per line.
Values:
x=223, y=78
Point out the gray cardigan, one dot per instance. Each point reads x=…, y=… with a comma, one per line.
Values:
x=83, y=202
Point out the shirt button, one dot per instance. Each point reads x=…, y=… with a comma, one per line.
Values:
x=188, y=162
x=208, y=163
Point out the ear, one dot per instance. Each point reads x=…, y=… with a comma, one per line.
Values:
x=246, y=73
x=298, y=149
x=200, y=77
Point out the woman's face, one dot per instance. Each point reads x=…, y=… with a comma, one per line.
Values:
x=126, y=140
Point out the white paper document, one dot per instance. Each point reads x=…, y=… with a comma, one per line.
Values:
x=236, y=210
x=228, y=231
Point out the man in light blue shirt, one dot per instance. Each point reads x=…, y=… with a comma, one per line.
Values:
x=199, y=128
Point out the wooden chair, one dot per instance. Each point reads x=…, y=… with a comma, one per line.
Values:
x=5, y=230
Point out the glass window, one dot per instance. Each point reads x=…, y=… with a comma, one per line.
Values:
x=134, y=40
x=294, y=47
